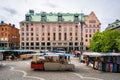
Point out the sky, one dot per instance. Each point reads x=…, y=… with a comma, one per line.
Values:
x=13, y=11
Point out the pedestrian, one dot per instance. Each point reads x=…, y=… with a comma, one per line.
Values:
x=68, y=58
x=12, y=57
x=87, y=60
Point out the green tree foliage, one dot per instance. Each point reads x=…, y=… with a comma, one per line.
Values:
x=106, y=41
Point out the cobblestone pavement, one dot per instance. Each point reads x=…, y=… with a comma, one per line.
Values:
x=20, y=70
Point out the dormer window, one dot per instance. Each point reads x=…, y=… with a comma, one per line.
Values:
x=76, y=18
x=43, y=17
x=59, y=17
x=28, y=17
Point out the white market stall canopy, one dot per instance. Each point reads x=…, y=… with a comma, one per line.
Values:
x=18, y=50
x=96, y=54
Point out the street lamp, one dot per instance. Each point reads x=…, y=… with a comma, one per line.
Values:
x=81, y=32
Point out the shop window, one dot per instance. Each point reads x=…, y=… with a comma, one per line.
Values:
x=32, y=44
x=22, y=43
x=37, y=43
x=43, y=44
x=27, y=44
x=48, y=44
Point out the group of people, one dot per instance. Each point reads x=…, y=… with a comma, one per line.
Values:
x=11, y=57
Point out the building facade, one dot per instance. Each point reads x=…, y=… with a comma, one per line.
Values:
x=9, y=36
x=51, y=31
x=114, y=25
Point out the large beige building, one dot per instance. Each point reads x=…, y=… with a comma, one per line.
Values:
x=57, y=30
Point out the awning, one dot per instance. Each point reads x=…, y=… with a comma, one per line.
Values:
x=96, y=54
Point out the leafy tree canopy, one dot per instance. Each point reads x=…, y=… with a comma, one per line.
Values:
x=106, y=41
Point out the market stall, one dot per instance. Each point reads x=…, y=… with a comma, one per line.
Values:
x=51, y=61
x=109, y=62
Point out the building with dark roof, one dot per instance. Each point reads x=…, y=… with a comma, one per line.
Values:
x=51, y=31
x=114, y=25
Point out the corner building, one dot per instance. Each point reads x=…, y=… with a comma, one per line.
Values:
x=52, y=31
x=9, y=36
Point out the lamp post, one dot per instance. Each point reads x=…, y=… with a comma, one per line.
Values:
x=81, y=33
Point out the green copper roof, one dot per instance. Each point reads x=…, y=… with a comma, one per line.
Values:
x=53, y=17
x=113, y=25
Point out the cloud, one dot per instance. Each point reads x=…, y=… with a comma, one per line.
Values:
x=48, y=3
x=9, y=10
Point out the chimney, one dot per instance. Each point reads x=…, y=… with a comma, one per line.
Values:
x=10, y=24
x=13, y=25
x=2, y=22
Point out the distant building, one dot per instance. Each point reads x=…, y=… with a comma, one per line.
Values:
x=9, y=36
x=114, y=25
x=57, y=30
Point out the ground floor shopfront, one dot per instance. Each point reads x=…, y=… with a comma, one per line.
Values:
x=8, y=45
x=67, y=46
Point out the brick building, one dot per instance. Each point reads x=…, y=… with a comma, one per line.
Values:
x=57, y=30
x=9, y=36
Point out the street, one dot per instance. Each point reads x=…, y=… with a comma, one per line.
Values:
x=20, y=70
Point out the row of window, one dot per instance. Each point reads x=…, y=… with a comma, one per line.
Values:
x=92, y=26
x=48, y=48
x=54, y=29
x=48, y=34
x=91, y=30
x=3, y=34
x=86, y=40
x=50, y=24
x=48, y=29
x=56, y=24
x=10, y=35
x=48, y=39
x=5, y=29
x=88, y=35
x=48, y=44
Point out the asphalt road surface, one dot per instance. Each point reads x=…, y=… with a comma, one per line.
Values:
x=20, y=70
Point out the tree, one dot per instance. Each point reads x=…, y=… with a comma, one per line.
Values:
x=106, y=41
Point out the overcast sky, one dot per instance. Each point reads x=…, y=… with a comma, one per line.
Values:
x=13, y=11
